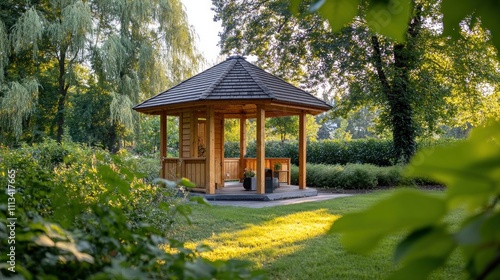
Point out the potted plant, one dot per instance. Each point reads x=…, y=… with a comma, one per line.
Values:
x=249, y=180
x=277, y=166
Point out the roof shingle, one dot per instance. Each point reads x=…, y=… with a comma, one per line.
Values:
x=233, y=79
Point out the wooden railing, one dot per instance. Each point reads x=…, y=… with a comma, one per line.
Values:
x=195, y=169
x=192, y=168
x=231, y=168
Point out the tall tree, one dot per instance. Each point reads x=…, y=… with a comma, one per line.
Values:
x=132, y=50
x=360, y=65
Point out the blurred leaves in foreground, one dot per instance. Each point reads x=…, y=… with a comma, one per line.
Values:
x=471, y=172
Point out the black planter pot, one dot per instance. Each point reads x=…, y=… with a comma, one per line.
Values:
x=247, y=183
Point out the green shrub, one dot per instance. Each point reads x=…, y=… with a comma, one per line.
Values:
x=83, y=213
x=391, y=176
x=357, y=176
x=331, y=152
x=232, y=149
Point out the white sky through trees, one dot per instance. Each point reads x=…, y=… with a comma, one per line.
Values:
x=201, y=17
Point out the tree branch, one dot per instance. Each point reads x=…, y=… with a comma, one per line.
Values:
x=377, y=58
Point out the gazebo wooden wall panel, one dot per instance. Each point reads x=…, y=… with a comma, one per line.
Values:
x=232, y=169
x=172, y=168
x=195, y=171
x=185, y=121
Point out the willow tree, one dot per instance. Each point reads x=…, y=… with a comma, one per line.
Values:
x=132, y=49
x=351, y=49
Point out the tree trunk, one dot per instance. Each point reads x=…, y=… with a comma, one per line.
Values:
x=398, y=91
x=62, y=92
x=399, y=98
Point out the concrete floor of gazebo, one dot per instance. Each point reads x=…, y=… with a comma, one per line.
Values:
x=235, y=191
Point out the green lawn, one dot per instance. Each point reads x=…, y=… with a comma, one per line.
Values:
x=289, y=242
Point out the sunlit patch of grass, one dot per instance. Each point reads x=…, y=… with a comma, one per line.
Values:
x=277, y=237
x=290, y=242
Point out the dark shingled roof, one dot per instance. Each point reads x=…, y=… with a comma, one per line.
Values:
x=234, y=79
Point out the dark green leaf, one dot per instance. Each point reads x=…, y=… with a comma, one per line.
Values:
x=294, y=6
x=469, y=234
x=406, y=209
x=430, y=242
x=418, y=269
x=470, y=169
x=389, y=18
x=339, y=12
x=453, y=13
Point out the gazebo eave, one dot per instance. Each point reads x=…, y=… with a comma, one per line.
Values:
x=244, y=108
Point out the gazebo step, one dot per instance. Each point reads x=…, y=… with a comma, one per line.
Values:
x=198, y=190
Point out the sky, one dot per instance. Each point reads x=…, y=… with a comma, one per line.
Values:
x=201, y=17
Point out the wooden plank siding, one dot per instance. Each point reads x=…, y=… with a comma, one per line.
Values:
x=185, y=142
x=172, y=169
x=191, y=168
x=195, y=170
x=232, y=169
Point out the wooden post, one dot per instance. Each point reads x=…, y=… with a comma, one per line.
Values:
x=243, y=145
x=194, y=134
x=210, y=150
x=302, y=150
x=221, y=155
x=163, y=143
x=261, y=150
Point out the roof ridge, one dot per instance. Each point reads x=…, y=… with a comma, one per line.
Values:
x=209, y=89
x=257, y=80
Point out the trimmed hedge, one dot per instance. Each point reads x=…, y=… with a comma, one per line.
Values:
x=355, y=176
x=331, y=152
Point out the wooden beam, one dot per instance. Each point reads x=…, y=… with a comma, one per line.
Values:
x=302, y=150
x=210, y=150
x=261, y=149
x=243, y=145
x=163, y=142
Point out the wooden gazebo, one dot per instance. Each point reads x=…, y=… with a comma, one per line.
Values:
x=234, y=88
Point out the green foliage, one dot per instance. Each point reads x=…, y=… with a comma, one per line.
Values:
x=87, y=119
x=18, y=104
x=231, y=149
x=122, y=50
x=470, y=171
x=84, y=213
x=388, y=18
x=148, y=140
x=331, y=152
x=283, y=127
x=456, y=11
x=388, y=56
x=356, y=176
